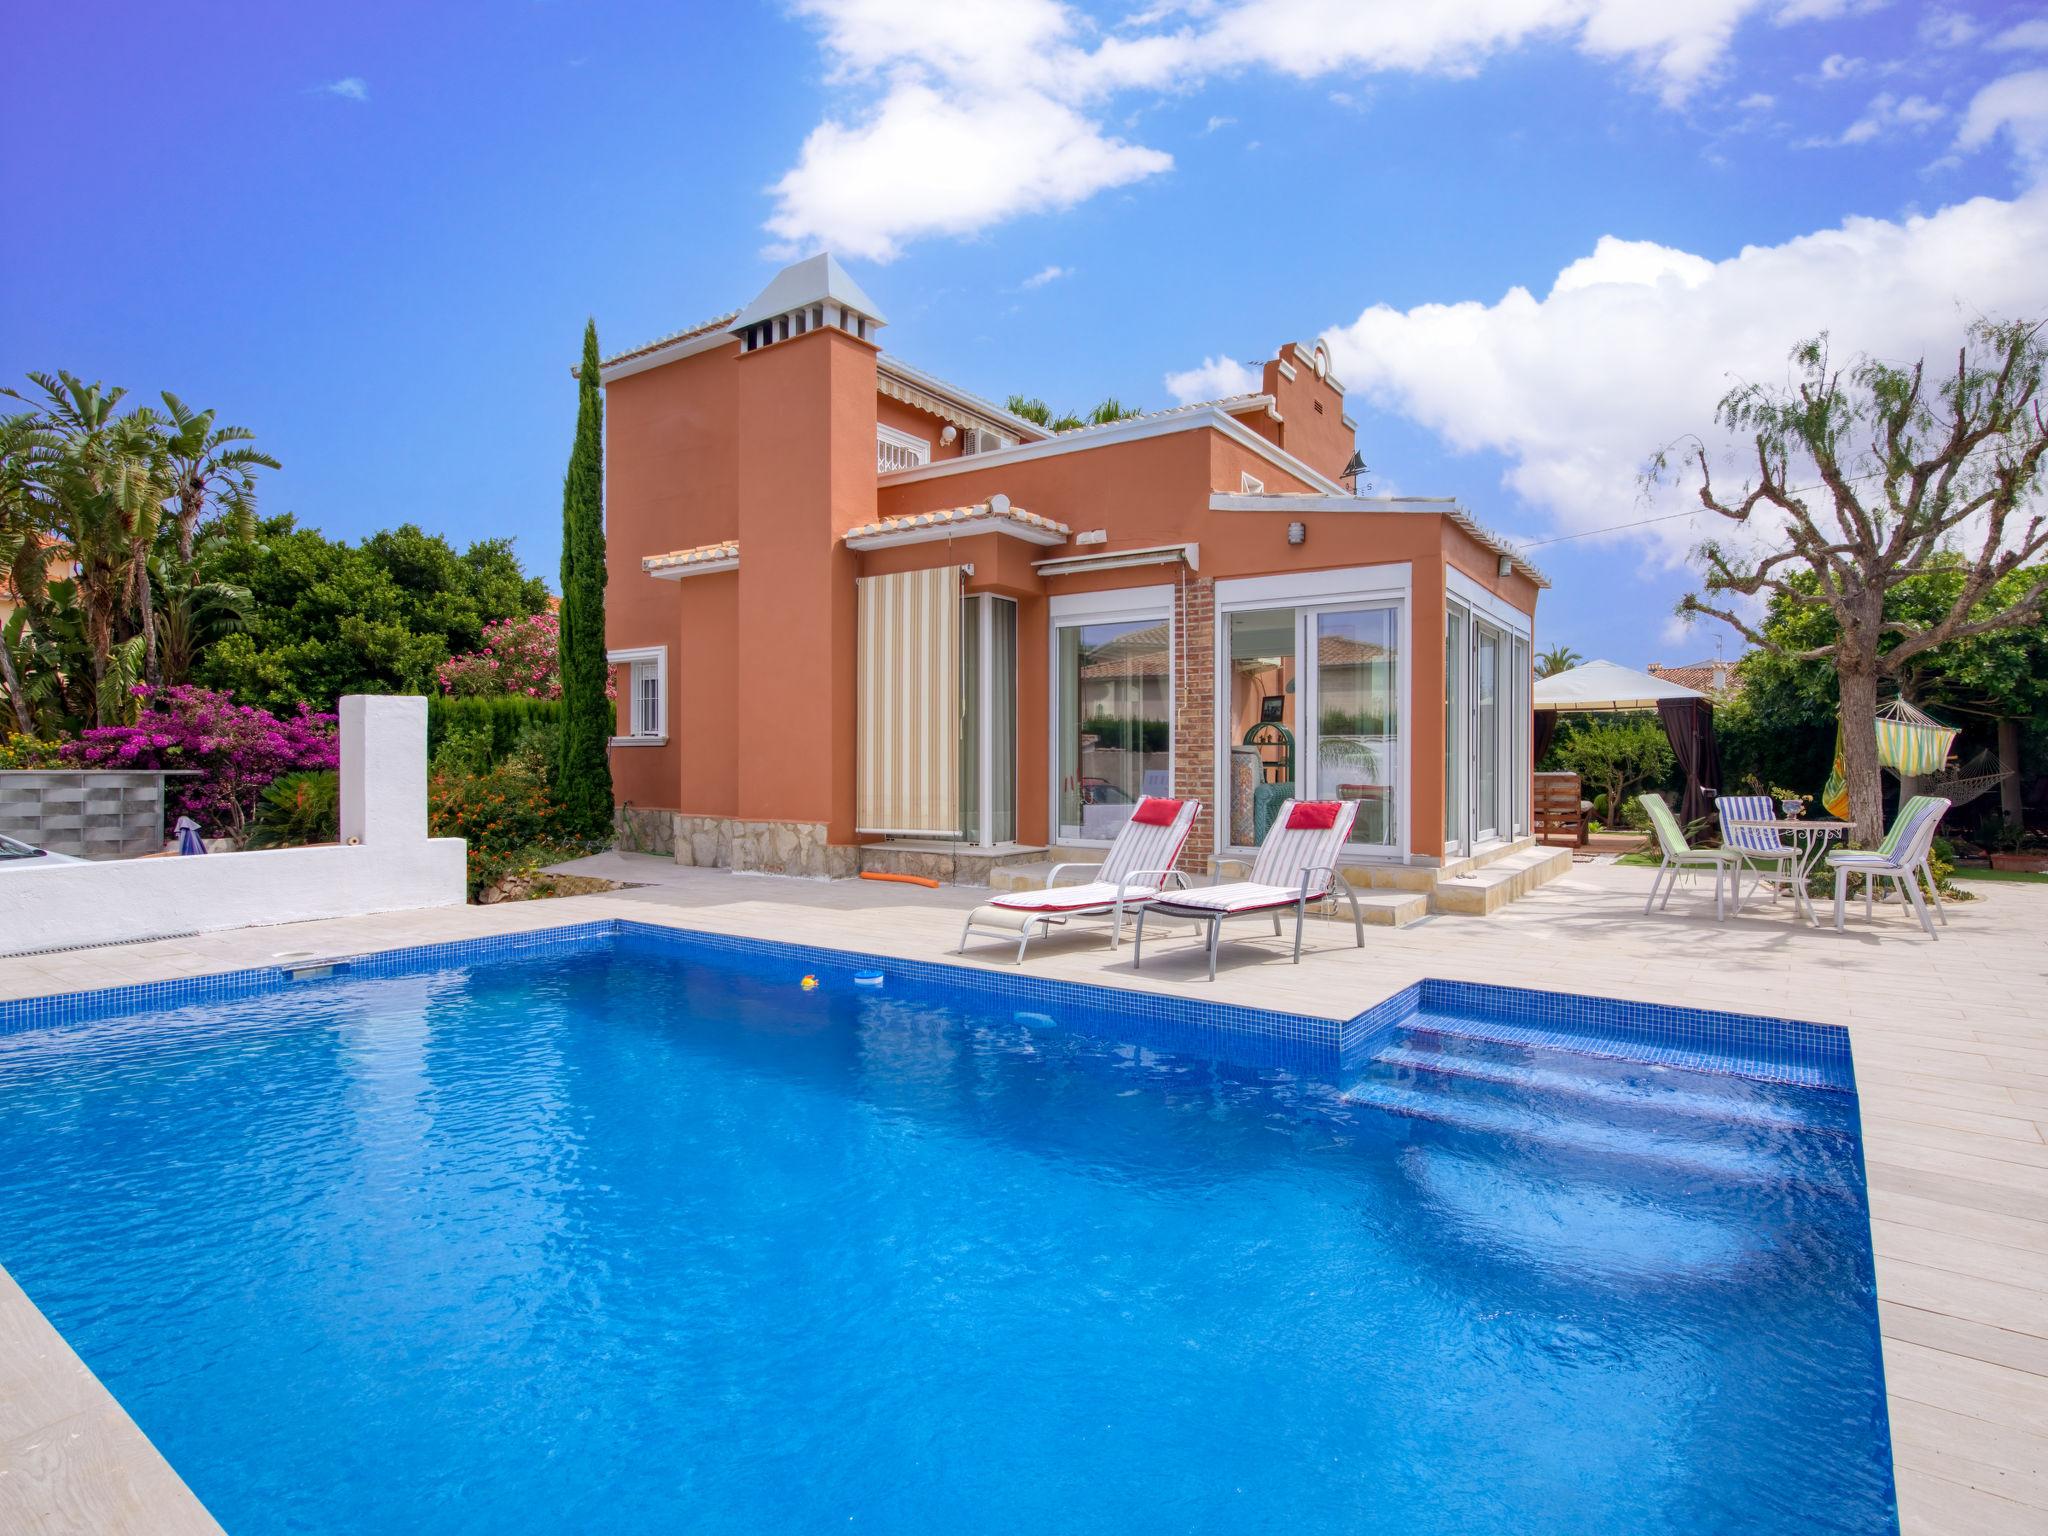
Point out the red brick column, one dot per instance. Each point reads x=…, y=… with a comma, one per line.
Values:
x=1194, y=723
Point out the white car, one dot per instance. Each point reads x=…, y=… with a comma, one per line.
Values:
x=19, y=855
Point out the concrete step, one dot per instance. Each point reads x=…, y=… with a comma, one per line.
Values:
x=1487, y=889
x=949, y=863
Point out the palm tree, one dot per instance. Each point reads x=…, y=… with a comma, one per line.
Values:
x=206, y=469
x=1559, y=658
x=1112, y=409
x=107, y=480
x=24, y=541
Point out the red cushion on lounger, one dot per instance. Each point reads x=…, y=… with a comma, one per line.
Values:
x=1312, y=816
x=1155, y=812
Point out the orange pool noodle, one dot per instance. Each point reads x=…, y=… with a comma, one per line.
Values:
x=870, y=874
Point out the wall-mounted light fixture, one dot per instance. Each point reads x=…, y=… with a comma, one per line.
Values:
x=950, y=436
x=1297, y=533
x=1507, y=565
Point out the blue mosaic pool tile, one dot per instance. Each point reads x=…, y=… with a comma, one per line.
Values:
x=1785, y=1050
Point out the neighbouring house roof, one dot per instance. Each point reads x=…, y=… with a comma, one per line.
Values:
x=1603, y=685
x=815, y=279
x=700, y=561
x=1717, y=679
x=996, y=515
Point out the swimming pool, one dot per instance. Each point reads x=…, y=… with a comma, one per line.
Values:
x=624, y=1230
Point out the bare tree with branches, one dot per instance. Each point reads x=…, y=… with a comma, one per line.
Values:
x=1913, y=474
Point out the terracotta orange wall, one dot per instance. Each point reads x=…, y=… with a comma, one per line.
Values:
x=1311, y=412
x=806, y=417
x=670, y=481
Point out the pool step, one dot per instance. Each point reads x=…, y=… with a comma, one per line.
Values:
x=1623, y=1087
x=1811, y=1160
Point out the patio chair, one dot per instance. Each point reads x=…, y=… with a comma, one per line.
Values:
x=1136, y=869
x=1679, y=856
x=1902, y=858
x=1759, y=849
x=1297, y=864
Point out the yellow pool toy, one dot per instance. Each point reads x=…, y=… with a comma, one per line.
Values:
x=810, y=983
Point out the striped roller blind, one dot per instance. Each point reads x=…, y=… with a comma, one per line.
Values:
x=907, y=780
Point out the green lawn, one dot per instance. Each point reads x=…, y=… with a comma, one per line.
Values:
x=2016, y=876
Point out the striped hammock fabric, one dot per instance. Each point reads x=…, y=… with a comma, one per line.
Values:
x=1911, y=744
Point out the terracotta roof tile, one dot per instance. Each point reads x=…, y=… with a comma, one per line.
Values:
x=703, y=554
x=980, y=512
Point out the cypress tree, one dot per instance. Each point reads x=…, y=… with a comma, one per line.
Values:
x=583, y=772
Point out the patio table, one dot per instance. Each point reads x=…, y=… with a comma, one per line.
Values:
x=1809, y=837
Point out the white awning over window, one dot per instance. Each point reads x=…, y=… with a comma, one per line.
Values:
x=908, y=759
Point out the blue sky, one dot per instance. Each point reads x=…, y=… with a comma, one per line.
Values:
x=1541, y=235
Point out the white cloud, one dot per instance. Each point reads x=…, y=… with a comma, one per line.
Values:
x=2016, y=106
x=1217, y=122
x=2028, y=36
x=348, y=88
x=1016, y=91
x=1886, y=114
x=1839, y=66
x=1948, y=29
x=1048, y=274
x=1824, y=10
x=1634, y=345
x=1216, y=378
x=1757, y=101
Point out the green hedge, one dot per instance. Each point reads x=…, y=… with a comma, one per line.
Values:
x=504, y=717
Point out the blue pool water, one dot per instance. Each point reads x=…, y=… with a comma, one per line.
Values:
x=641, y=1239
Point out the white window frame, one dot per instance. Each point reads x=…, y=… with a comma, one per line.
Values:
x=919, y=448
x=633, y=659
x=1352, y=586
x=1118, y=605
x=1515, y=770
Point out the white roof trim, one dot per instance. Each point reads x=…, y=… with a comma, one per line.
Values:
x=1136, y=429
x=1442, y=506
x=1044, y=537
x=688, y=346
x=694, y=568
x=816, y=279
x=1189, y=555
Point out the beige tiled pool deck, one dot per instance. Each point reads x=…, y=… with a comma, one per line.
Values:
x=1950, y=1042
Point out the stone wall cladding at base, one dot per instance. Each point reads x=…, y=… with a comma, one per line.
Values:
x=760, y=847
x=1194, y=726
x=638, y=829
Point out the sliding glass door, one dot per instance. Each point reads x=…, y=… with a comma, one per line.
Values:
x=1112, y=723
x=1312, y=710
x=1486, y=732
x=988, y=720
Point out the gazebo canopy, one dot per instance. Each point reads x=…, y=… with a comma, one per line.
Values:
x=1604, y=685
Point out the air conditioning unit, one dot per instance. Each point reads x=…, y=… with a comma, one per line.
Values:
x=982, y=440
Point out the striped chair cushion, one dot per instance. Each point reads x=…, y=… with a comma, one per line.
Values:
x=1288, y=851
x=1142, y=846
x=1734, y=808
x=1097, y=895
x=1239, y=896
x=1669, y=836
x=1905, y=844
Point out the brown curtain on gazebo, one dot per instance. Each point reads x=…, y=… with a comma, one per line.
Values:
x=1546, y=728
x=1690, y=725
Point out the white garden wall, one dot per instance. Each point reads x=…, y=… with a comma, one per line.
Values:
x=391, y=865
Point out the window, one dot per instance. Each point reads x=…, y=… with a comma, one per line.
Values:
x=642, y=679
x=1113, y=730
x=896, y=450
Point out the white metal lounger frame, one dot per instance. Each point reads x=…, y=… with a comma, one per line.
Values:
x=1032, y=922
x=1311, y=889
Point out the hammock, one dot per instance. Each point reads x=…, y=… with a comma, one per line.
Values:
x=1910, y=743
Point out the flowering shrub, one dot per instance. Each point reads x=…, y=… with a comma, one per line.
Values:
x=30, y=752
x=505, y=815
x=237, y=750
x=519, y=656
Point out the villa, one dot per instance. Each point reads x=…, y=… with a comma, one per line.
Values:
x=864, y=619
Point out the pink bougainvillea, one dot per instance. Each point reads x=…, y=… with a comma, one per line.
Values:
x=236, y=749
x=519, y=656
